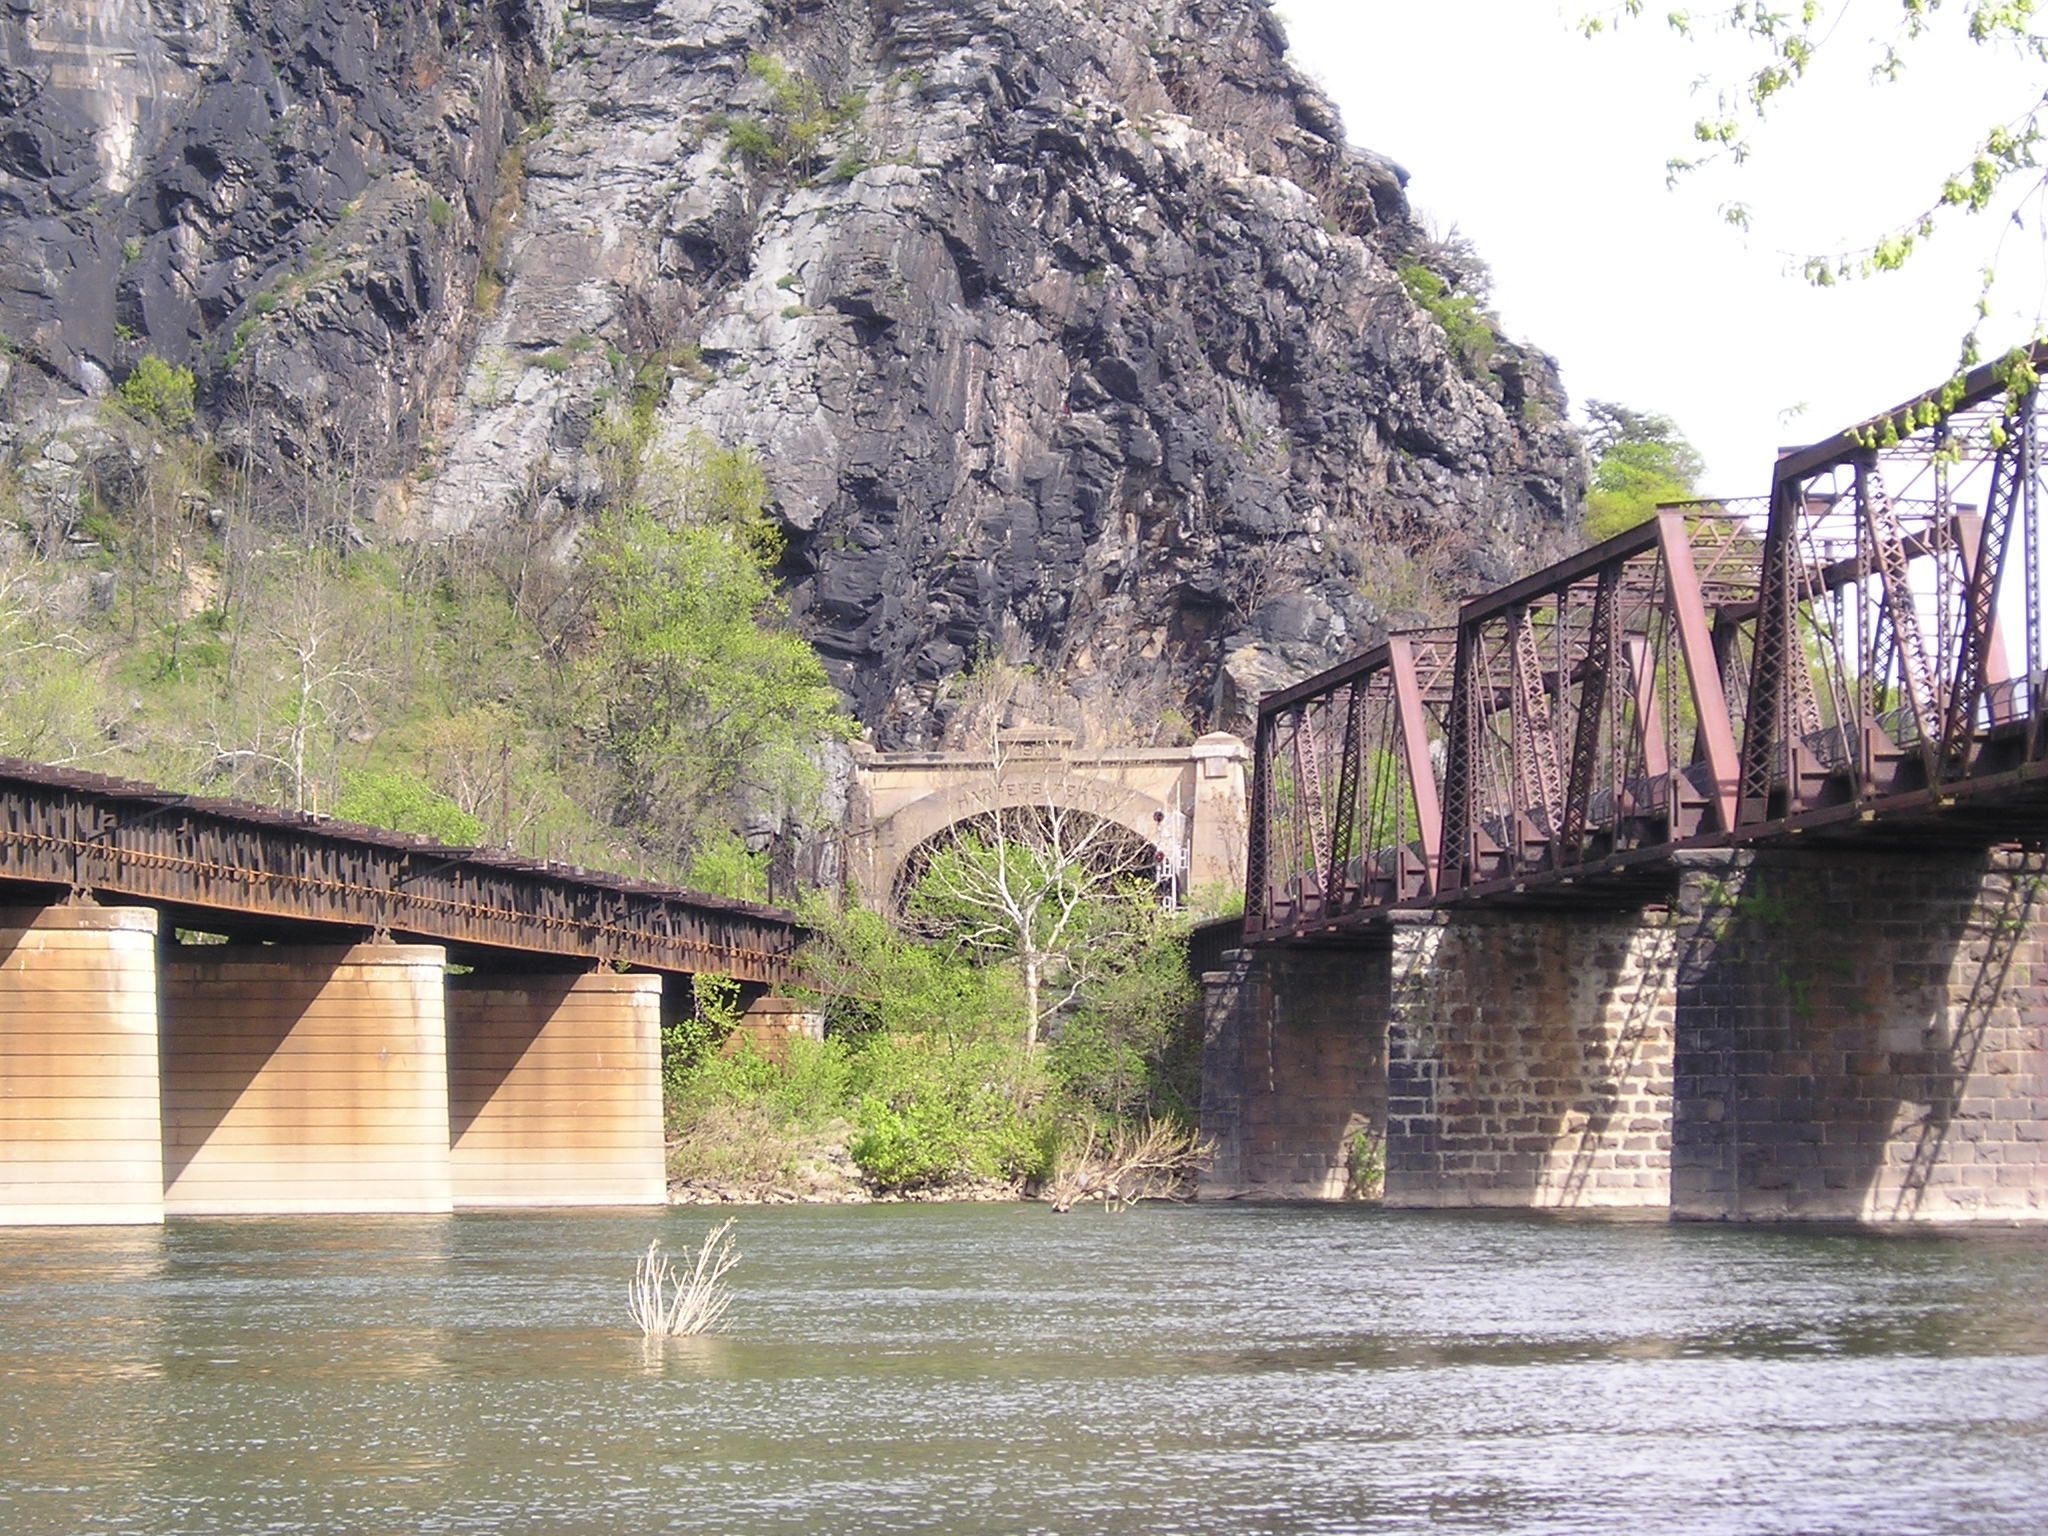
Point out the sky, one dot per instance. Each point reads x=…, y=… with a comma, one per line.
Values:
x=1549, y=149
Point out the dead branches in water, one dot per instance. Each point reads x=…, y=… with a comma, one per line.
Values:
x=1155, y=1161
x=671, y=1303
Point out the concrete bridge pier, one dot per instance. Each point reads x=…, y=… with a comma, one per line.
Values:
x=304, y=1079
x=80, y=1136
x=554, y=1090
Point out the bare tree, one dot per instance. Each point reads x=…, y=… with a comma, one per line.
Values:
x=1045, y=872
x=313, y=676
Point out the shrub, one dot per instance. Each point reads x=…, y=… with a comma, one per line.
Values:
x=722, y=866
x=799, y=121
x=935, y=1111
x=159, y=393
x=403, y=803
x=1465, y=325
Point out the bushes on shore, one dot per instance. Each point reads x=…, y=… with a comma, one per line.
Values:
x=924, y=1077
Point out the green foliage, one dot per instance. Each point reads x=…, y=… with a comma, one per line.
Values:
x=925, y=1067
x=1062, y=893
x=692, y=1042
x=931, y=1111
x=439, y=212
x=753, y=141
x=1641, y=460
x=1124, y=1048
x=877, y=981
x=1467, y=329
x=160, y=394
x=53, y=703
x=404, y=803
x=1366, y=1163
x=702, y=696
x=1773, y=50
x=1390, y=804
x=811, y=1087
x=722, y=866
x=447, y=691
x=800, y=121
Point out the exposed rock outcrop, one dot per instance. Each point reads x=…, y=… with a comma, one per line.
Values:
x=285, y=197
x=1071, y=333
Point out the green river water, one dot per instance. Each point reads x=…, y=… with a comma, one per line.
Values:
x=1005, y=1369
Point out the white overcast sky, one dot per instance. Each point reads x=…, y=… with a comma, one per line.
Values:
x=1548, y=149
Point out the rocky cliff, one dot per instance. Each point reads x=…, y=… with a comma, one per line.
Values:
x=1070, y=332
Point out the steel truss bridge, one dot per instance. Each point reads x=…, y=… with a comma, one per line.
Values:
x=227, y=866
x=1858, y=656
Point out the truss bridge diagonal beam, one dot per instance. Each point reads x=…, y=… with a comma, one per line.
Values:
x=1845, y=674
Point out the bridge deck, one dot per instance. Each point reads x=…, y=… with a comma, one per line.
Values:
x=220, y=865
x=1858, y=658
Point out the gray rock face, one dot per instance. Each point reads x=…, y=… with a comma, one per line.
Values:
x=1069, y=331
x=284, y=197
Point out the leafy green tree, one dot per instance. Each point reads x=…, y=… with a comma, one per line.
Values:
x=1639, y=460
x=703, y=700
x=403, y=803
x=722, y=865
x=1998, y=174
x=874, y=980
x=1124, y=1048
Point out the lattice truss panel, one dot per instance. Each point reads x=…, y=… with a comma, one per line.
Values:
x=1865, y=640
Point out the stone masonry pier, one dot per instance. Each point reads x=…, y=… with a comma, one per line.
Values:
x=1799, y=1034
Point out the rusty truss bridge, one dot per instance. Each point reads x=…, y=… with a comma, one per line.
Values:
x=228, y=866
x=1859, y=656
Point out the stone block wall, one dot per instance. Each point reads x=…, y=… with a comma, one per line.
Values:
x=1293, y=1066
x=1863, y=1036
x=770, y=1023
x=1529, y=1060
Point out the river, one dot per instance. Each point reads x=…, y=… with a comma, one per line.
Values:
x=1005, y=1369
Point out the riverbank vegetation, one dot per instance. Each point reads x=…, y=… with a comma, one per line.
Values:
x=623, y=693
x=928, y=1078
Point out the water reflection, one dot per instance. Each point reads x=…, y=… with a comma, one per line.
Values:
x=990, y=1369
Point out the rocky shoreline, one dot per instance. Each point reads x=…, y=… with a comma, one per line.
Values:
x=722, y=1192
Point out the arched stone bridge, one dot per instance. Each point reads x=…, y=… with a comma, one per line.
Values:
x=1188, y=802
